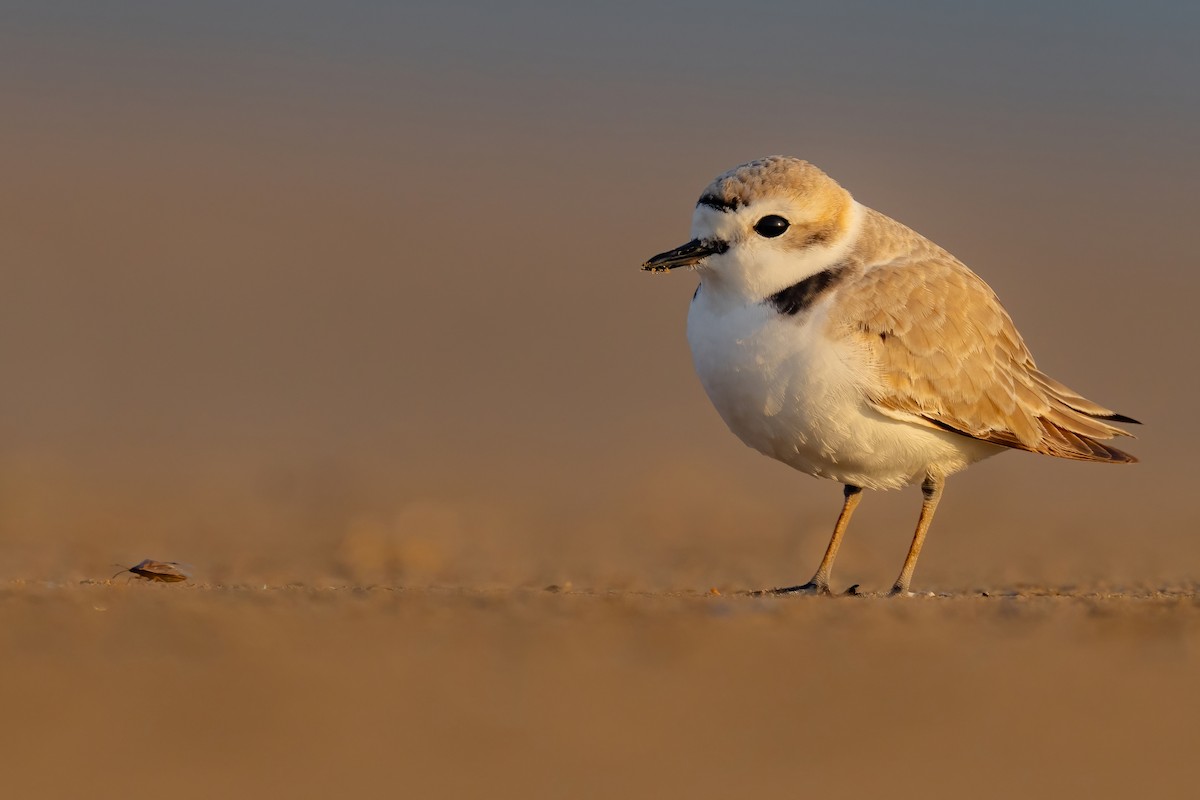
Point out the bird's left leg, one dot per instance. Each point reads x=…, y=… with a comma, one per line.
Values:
x=931, y=488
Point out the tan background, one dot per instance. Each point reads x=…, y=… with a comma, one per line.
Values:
x=350, y=298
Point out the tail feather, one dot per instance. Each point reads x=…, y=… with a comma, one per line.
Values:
x=1119, y=418
x=1081, y=447
x=1070, y=427
x=1077, y=402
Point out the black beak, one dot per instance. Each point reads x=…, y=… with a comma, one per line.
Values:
x=691, y=253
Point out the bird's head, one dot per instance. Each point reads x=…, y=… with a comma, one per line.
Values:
x=763, y=226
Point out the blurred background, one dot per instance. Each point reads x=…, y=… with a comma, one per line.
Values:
x=350, y=293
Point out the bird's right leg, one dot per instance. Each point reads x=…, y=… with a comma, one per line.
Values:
x=820, y=581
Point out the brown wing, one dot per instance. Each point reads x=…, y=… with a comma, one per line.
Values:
x=947, y=352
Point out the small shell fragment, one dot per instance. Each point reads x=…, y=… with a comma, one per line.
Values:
x=160, y=571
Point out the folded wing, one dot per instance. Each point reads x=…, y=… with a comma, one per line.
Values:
x=948, y=355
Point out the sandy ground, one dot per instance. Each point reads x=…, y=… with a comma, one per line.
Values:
x=186, y=690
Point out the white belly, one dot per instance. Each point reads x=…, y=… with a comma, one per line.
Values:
x=791, y=393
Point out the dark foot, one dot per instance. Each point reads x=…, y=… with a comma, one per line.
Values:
x=856, y=591
x=896, y=591
x=810, y=588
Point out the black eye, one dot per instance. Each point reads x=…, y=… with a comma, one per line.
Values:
x=771, y=225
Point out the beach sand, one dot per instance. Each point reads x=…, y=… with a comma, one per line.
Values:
x=128, y=687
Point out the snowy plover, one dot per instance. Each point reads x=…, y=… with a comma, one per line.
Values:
x=844, y=344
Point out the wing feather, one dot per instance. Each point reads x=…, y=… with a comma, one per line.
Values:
x=947, y=353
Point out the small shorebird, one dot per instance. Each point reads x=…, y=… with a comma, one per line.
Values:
x=850, y=347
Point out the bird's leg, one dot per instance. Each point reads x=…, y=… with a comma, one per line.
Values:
x=931, y=488
x=820, y=581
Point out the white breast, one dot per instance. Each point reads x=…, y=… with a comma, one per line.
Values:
x=790, y=392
